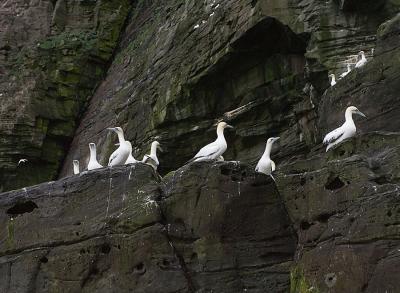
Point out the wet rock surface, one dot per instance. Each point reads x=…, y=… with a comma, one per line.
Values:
x=123, y=230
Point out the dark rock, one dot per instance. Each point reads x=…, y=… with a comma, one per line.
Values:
x=52, y=55
x=121, y=230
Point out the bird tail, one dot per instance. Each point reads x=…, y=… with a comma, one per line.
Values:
x=272, y=177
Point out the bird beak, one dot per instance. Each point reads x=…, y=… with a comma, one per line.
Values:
x=160, y=149
x=112, y=129
x=229, y=126
x=117, y=144
x=361, y=114
x=276, y=138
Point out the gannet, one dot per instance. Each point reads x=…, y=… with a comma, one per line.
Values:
x=333, y=79
x=22, y=161
x=152, y=159
x=347, y=130
x=215, y=149
x=346, y=72
x=361, y=62
x=131, y=159
x=76, y=166
x=121, y=154
x=93, y=163
x=265, y=164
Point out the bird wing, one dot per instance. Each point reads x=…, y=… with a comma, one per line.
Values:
x=145, y=158
x=333, y=135
x=113, y=156
x=208, y=150
x=273, y=167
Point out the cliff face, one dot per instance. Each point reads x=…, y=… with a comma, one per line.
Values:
x=52, y=55
x=330, y=222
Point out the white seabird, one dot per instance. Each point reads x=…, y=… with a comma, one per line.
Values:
x=22, y=161
x=131, y=159
x=347, y=130
x=121, y=154
x=93, y=163
x=215, y=149
x=152, y=159
x=362, y=60
x=333, y=79
x=265, y=164
x=346, y=72
x=76, y=166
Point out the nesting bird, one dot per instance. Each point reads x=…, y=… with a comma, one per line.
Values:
x=346, y=72
x=121, y=154
x=152, y=159
x=265, y=164
x=75, y=163
x=362, y=60
x=93, y=163
x=215, y=149
x=131, y=159
x=333, y=79
x=347, y=130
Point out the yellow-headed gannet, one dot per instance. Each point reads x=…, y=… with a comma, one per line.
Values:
x=93, y=163
x=121, y=154
x=362, y=60
x=347, y=130
x=152, y=159
x=215, y=149
x=265, y=164
x=333, y=79
x=76, y=166
x=346, y=72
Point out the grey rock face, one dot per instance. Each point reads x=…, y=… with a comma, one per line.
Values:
x=122, y=230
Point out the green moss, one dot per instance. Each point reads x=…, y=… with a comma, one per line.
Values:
x=299, y=283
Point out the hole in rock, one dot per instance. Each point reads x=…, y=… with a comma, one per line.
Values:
x=303, y=181
x=140, y=268
x=44, y=259
x=77, y=224
x=381, y=180
x=323, y=218
x=389, y=213
x=334, y=184
x=105, y=248
x=82, y=251
x=305, y=225
x=22, y=208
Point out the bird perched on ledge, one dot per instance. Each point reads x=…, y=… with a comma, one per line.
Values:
x=265, y=164
x=152, y=159
x=215, y=149
x=76, y=166
x=93, y=163
x=121, y=154
x=347, y=130
x=362, y=60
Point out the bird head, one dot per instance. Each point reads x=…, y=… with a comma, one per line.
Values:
x=361, y=54
x=116, y=129
x=76, y=163
x=332, y=76
x=92, y=146
x=157, y=145
x=354, y=110
x=271, y=140
x=224, y=125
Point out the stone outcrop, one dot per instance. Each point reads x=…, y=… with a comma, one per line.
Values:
x=123, y=230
